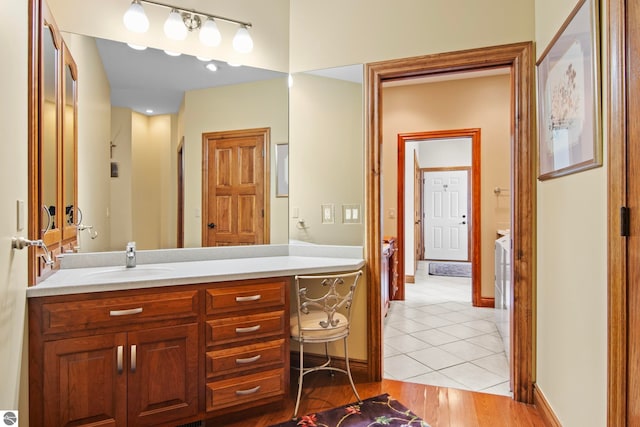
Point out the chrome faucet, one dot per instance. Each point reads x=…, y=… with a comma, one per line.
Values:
x=131, y=254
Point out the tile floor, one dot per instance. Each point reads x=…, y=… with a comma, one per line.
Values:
x=437, y=337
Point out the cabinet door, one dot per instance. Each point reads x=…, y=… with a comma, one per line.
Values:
x=84, y=381
x=163, y=374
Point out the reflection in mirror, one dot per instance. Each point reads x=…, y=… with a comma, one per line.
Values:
x=48, y=132
x=326, y=192
x=69, y=147
x=142, y=148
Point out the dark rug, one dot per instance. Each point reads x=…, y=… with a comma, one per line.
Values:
x=381, y=410
x=454, y=269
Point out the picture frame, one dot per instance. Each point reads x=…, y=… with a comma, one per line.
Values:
x=282, y=170
x=568, y=72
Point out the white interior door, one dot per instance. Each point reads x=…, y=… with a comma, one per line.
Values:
x=446, y=219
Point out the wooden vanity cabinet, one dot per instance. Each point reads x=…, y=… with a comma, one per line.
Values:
x=114, y=358
x=164, y=356
x=247, y=345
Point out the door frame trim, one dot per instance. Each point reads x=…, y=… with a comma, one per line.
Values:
x=474, y=195
x=618, y=304
x=519, y=58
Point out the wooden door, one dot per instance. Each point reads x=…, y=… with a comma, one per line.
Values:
x=235, y=188
x=417, y=213
x=446, y=221
x=85, y=382
x=162, y=374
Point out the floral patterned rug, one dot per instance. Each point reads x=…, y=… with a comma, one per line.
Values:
x=381, y=410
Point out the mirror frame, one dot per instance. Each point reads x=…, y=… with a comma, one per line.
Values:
x=60, y=238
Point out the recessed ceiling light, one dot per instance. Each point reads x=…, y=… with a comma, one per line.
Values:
x=149, y=111
x=204, y=58
x=171, y=53
x=211, y=66
x=136, y=46
x=234, y=64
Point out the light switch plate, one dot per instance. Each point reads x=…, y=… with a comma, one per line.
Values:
x=20, y=215
x=351, y=214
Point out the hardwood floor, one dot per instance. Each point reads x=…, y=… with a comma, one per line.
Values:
x=438, y=406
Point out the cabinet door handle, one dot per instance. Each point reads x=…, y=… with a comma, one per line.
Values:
x=247, y=329
x=134, y=358
x=127, y=312
x=119, y=358
x=249, y=391
x=249, y=298
x=248, y=359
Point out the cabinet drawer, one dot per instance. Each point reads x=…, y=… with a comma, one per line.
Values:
x=112, y=311
x=245, y=297
x=239, y=359
x=235, y=329
x=249, y=388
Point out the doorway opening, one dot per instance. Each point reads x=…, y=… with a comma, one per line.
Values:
x=519, y=59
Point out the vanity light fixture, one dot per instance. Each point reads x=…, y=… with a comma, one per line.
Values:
x=211, y=67
x=172, y=53
x=182, y=21
x=204, y=58
x=136, y=46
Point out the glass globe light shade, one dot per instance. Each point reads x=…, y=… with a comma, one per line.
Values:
x=209, y=33
x=242, y=41
x=135, y=19
x=174, y=28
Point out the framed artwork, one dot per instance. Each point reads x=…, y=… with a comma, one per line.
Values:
x=569, y=135
x=282, y=170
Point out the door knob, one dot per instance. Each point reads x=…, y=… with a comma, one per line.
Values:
x=211, y=225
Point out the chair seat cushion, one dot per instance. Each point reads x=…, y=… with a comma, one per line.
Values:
x=311, y=328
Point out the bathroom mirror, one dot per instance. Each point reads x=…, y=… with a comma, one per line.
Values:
x=326, y=194
x=49, y=130
x=69, y=142
x=145, y=148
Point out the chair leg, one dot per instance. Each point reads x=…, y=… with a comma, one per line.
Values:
x=326, y=352
x=300, y=376
x=346, y=358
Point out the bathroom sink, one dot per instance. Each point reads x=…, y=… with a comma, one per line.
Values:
x=124, y=273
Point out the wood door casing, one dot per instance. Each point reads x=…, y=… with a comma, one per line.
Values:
x=235, y=199
x=418, y=242
x=519, y=57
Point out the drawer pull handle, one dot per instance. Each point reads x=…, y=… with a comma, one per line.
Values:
x=114, y=313
x=248, y=359
x=247, y=329
x=120, y=358
x=249, y=391
x=249, y=298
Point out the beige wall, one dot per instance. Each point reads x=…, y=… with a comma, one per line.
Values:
x=234, y=107
x=572, y=276
x=13, y=175
x=333, y=33
x=94, y=135
x=457, y=104
x=325, y=158
x=121, y=200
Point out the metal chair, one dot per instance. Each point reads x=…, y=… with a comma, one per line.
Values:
x=323, y=315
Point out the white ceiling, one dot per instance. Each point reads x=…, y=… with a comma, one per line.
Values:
x=151, y=79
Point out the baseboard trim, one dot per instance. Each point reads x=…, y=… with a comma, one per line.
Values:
x=410, y=279
x=487, y=302
x=359, y=368
x=547, y=414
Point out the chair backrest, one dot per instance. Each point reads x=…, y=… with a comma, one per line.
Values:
x=329, y=294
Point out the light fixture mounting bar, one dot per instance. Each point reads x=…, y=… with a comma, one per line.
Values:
x=193, y=11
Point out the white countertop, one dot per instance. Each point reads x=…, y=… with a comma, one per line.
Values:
x=117, y=277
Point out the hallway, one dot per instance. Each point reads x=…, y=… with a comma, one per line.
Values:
x=437, y=337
